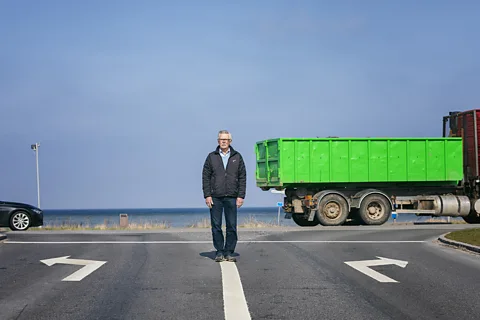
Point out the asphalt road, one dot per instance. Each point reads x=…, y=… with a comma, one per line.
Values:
x=278, y=275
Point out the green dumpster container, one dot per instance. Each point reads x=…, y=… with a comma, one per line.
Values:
x=291, y=161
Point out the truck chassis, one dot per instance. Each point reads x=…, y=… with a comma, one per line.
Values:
x=310, y=206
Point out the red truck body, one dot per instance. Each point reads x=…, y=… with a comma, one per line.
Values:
x=466, y=124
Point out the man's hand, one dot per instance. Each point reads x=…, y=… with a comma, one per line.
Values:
x=209, y=202
x=239, y=202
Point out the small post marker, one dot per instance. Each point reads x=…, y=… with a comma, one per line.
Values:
x=123, y=220
x=394, y=216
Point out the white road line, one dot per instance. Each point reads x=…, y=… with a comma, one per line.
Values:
x=209, y=242
x=235, y=305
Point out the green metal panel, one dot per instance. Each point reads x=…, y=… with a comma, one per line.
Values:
x=359, y=167
x=302, y=165
x=345, y=160
x=378, y=155
x=339, y=161
x=273, y=160
x=287, y=160
x=453, y=160
x=261, y=170
x=397, y=161
x=320, y=161
x=436, y=160
x=417, y=165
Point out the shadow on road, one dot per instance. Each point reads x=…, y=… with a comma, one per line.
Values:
x=211, y=254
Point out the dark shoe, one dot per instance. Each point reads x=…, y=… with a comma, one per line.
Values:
x=230, y=258
x=219, y=257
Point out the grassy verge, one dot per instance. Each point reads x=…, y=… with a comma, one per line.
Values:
x=470, y=236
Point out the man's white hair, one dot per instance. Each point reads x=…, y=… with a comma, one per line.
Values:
x=225, y=132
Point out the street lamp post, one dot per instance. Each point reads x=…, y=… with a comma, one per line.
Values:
x=34, y=147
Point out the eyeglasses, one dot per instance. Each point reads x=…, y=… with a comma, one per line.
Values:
x=224, y=140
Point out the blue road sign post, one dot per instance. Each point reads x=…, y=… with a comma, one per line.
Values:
x=279, y=205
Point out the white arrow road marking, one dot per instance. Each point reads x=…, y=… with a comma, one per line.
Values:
x=363, y=266
x=89, y=266
x=235, y=304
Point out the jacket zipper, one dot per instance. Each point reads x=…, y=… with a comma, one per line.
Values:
x=225, y=169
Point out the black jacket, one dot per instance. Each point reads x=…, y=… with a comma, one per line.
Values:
x=218, y=182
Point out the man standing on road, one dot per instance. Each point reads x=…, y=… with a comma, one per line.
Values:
x=224, y=182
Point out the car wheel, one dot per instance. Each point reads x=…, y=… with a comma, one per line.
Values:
x=20, y=221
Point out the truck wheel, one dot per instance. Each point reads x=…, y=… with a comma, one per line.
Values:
x=375, y=210
x=302, y=220
x=472, y=218
x=332, y=210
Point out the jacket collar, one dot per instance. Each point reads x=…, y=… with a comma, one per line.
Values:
x=232, y=151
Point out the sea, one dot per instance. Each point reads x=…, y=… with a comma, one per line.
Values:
x=177, y=217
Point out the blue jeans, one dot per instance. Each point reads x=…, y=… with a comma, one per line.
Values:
x=229, y=206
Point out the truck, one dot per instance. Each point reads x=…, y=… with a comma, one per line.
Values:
x=331, y=180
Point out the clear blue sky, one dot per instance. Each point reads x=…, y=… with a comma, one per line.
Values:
x=126, y=97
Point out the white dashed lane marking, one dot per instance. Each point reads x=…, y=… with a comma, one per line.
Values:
x=235, y=304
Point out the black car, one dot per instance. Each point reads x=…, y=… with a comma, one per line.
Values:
x=19, y=216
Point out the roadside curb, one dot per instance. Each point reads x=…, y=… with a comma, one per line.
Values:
x=459, y=244
x=3, y=236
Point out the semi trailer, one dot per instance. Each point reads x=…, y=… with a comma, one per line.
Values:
x=329, y=180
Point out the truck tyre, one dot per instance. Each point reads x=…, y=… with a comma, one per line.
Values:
x=302, y=220
x=375, y=210
x=332, y=210
x=472, y=218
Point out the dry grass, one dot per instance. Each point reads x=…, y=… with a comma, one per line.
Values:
x=68, y=225
x=201, y=224
x=252, y=222
x=105, y=226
